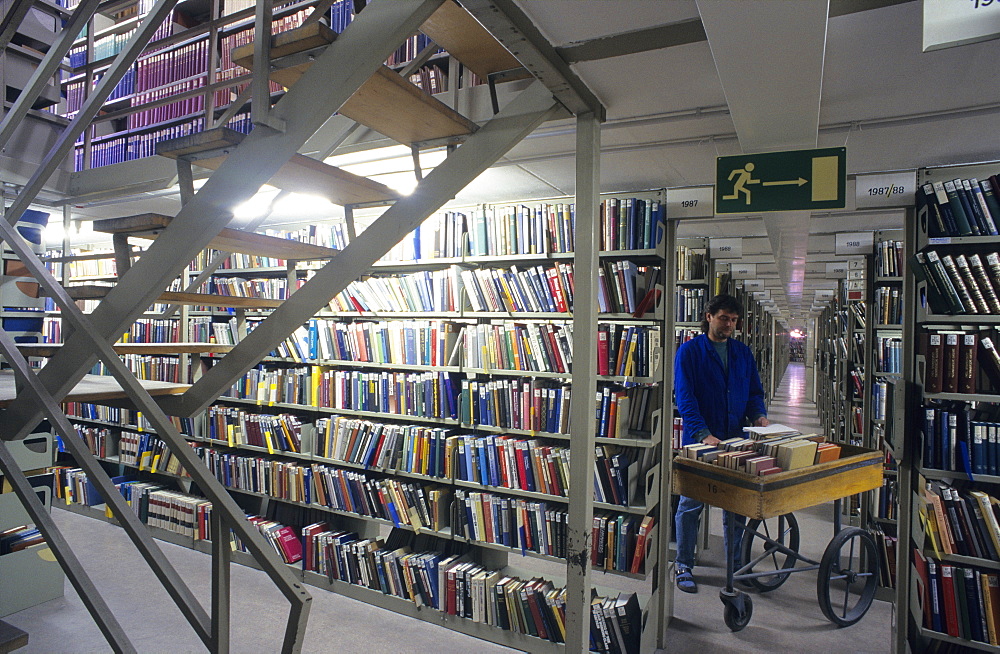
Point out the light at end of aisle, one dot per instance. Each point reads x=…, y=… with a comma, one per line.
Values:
x=797, y=333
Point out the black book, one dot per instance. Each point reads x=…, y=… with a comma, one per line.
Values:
x=629, y=618
x=972, y=593
x=970, y=211
x=936, y=225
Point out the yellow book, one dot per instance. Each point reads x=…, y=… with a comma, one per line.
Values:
x=315, y=377
x=931, y=527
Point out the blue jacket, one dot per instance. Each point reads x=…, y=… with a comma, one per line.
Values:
x=707, y=398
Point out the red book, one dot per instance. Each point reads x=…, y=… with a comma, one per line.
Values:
x=602, y=352
x=556, y=288
x=948, y=593
x=550, y=335
x=531, y=596
x=291, y=546
x=638, y=559
x=522, y=473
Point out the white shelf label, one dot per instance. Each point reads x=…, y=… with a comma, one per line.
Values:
x=856, y=274
x=948, y=23
x=691, y=202
x=855, y=243
x=856, y=285
x=725, y=248
x=743, y=270
x=885, y=190
x=837, y=270
x=753, y=284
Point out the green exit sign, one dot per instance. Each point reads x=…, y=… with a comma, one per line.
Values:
x=781, y=181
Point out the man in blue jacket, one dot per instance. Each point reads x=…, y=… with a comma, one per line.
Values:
x=718, y=392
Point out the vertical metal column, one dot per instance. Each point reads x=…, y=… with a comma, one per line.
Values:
x=221, y=555
x=581, y=418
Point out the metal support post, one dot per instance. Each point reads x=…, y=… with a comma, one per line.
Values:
x=325, y=86
x=11, y=20
x=123, y=253
x=581, y=418
x=47, y=68
x=532, y=107
x=260, y=109
x=89, y=595
x=221, y=555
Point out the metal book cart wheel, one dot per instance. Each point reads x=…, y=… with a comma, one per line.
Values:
x=848, y=571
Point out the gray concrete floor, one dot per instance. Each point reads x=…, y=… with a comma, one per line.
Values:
x=786, y=620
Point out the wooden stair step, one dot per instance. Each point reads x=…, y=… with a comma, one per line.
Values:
x=386, y=102
x=150, y=225
x=92, y=388
x=96, y=292
x=49, y=349
x=301, y=174
x=11, y=638
x=455, y=30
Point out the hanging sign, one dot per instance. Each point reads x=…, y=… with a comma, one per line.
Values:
x=691, y=202
x=855, y=243
x=948, y=23
x=781, y=181
x=837, y=270
x=725, y=248
x=743, y=270
x=885, y=190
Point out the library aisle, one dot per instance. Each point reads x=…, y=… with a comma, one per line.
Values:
x=787, y=619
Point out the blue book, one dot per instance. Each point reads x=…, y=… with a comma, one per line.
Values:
x=482, y=461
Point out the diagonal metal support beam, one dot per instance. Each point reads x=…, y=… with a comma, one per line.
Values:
x=46, y=69
x=532, y=107
x=337, y=73
x=89, y=595
x=222, y=502
x=11, y=20
x=90, y=108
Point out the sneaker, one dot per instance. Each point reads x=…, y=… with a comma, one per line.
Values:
x=685, y=580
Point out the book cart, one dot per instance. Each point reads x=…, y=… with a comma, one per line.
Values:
x=849, y=569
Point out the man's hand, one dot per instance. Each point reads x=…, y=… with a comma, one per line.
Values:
x=710, y=440
x=761, y=422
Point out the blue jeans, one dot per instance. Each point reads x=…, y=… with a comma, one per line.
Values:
x=686, y=531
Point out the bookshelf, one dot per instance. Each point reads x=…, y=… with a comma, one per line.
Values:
x=945, y=464
x=500, y=377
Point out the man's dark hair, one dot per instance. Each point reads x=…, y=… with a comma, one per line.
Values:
x=719, y=303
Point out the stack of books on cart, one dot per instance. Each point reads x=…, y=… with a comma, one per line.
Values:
x=766, y=451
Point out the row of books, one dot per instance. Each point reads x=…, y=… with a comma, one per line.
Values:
x=954, y=359
x=99, y=440
x=415, y=449
x=621, y=542
x=882, y=399
x=961, y=522
x=691, y=263
x=160, y=368
x=442, y=235
x=960, y=601
x=424, y=291
x=158, y=330
x=887, y=499
x=162, y=113
x=517, y=523
x=887, y=546
x=535, y=405
x=631, y=223
x=404, y=342
x=146, y=451
x=889, y=256
x=278, y=479
x=962, y=207
x=508, y=230
x=130, y=146
x=235, y=426
x=537, y=288
x=19, y=538
x=509, y=462
x=888, y=305
x=960, y=438
x=960, y=284
x=401, y=503
x=451, y=583
x=685, y=334
x=689, y=303
x=888, y=354
x=272, y=288
x=528, y=346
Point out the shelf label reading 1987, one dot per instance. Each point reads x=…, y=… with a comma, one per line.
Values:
x=692, y=202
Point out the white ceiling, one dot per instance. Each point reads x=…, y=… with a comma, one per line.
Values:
x=670, y=114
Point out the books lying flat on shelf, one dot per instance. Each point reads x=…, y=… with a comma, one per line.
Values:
x=773, y=429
